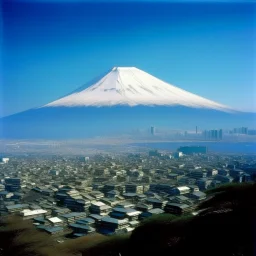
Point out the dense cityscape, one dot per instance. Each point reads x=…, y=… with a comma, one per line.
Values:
x=73, y=196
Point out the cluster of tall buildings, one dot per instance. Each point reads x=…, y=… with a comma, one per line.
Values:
x=241, y=130
x=213, y=134
x=244, y=130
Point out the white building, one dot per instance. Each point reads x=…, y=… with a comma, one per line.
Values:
x=30, y=214
x=4, y=160
x=183, y=190
x=55, y=221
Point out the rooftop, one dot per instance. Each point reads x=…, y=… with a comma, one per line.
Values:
x=113, y=220
x=28, y=212
x=183, y=188
x=55, y=220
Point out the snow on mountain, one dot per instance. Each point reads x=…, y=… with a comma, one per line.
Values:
x=130, y=86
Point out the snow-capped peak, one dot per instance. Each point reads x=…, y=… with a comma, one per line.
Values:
x=132, y=86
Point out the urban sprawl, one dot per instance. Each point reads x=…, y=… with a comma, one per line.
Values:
x=75, y=196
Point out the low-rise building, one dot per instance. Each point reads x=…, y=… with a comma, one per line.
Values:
x=82, y=229
x=143, y=207
x=53, y=230
x=156, y=203
x=197, y=195
x=55, y=221
x=30, y=214
x=73, y=216
x=110, y=225
x=10, y=209
x=182, y=190
x=99, y=208
x=122, y=213
x=134, y=188
x=150, y=213
x=177, y=209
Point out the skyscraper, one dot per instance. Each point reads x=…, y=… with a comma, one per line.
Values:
x=213, y=134
x=220, y=134
x=241, y=130
x=152, y=130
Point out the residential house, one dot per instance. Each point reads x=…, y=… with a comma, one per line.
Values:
x=150, y=213
x=99, y=208
x=177, y=209
x=110, y=225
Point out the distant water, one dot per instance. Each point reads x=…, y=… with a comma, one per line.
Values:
x=218, y=147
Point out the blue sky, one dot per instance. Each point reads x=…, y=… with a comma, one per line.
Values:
x=50, y=48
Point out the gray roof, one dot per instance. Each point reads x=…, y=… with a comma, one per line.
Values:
x=113, y=220
x=199, y=194
x=182, y=206
x=53, y=229
x=154, y=200
x=95, y=216
x=16, y=206
x=73, y=214
x=75, y=225
x=124, y=210
x=156, y=211
x=130, y=194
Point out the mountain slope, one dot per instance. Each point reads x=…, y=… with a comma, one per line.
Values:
x=131, y=86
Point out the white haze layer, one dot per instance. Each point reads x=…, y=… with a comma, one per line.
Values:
x=131, y=86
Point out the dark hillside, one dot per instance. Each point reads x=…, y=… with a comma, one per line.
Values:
x=225, y=226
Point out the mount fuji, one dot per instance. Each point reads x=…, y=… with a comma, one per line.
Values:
x=124, y=99
x=132, y=87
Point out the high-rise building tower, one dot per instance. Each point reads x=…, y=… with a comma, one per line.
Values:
x=152, y=130
x=213, y=134
x=244, y=130
x=241, y=130
x=220, y=134
x=215, y=137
